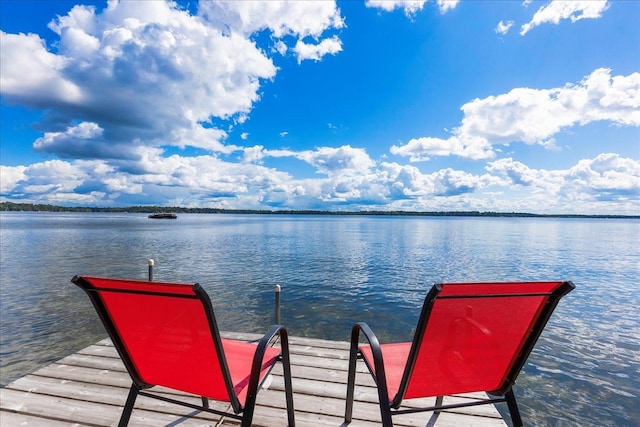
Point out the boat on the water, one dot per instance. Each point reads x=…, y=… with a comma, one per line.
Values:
x=163, y=215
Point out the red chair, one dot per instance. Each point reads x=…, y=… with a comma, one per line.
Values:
x=166, y=335
x=470, y=337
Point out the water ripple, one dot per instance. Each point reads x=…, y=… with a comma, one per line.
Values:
x=334, y=271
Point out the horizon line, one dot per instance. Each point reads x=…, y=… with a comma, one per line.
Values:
x=7, y=206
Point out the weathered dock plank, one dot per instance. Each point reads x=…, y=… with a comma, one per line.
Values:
x=89, y=388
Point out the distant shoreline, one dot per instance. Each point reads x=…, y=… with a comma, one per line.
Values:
x=29, y=207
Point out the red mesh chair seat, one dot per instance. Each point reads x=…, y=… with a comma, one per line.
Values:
x=470, y=337
x=166, y=335
x=395, y=359
x=239, y=358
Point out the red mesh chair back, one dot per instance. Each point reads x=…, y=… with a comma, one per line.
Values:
x=474, y=335
x=167, y=336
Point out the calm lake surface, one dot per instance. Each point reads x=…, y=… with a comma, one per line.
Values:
x=334, y=271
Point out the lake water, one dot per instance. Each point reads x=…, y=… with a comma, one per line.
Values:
x=334, y=271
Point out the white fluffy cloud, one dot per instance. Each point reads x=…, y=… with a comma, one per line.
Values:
x=52, y=180
x=306, y=22
x=446, y=5
x=606, y=178
x=150, y=74
x=503, y=27
x=340, y=160
x=558, y=10
x=424, y=148
x=352, y=181
x=317, y=51
x=296, y=18
x=32, y=75
x=533, y=116
x=10, y=176
x=410, y=7
x=515, y=173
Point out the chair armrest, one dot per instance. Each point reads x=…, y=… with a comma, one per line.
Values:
x=378, y=371
x=368, y=333
x=273, y=331
x=256, y=365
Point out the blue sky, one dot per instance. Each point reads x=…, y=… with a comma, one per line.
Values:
x=527, y=106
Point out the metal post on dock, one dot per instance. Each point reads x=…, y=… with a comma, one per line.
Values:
x=150, y=262
x=277, y=290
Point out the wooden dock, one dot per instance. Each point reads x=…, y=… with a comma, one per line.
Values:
x=90, y=387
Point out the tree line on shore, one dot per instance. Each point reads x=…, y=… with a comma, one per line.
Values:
x=31, y=207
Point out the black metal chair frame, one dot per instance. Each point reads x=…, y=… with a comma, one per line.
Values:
x=504, y=394
x=240, y=412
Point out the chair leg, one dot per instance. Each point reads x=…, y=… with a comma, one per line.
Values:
x=288, y=388
x=128, y=406
x=351, y=381
x=439, y=400
x=385, y=407
x=252, y=390
x=205, y=402
x=513, y=408
x=247, y=415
